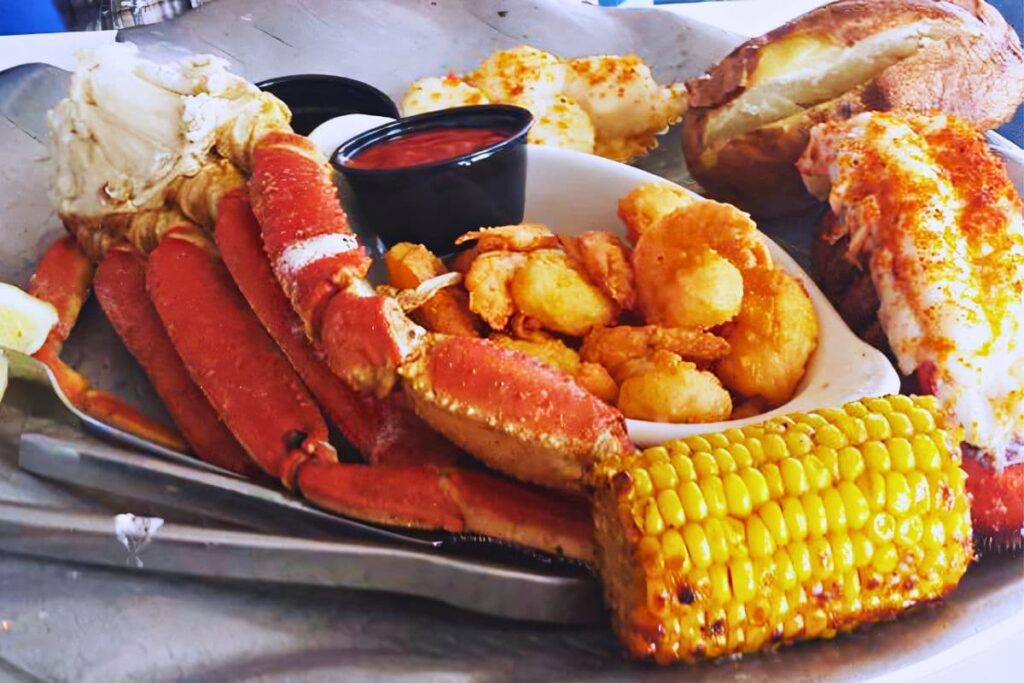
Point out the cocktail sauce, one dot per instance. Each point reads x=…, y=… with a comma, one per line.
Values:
x=426, y=146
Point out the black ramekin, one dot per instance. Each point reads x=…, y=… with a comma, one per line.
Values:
x=315, y=98
x=434, y=203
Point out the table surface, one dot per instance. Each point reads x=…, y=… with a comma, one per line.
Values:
x=65, y=622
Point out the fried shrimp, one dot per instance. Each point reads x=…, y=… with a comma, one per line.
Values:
x=665, y=388
x=684, y=284
x=771, y=339
x=522, y=237
x=612, y=347
x=488, y=281
x=721, y=227
x=550, y=290
x=606, y=261
x=409, y=266
x=649, y=203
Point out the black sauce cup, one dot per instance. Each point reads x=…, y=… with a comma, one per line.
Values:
x=315, y=98
x=434, y=203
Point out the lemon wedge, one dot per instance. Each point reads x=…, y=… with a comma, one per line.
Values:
x=3, y=374
x=24, y=320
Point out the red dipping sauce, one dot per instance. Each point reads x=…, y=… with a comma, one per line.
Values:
x=426, y=146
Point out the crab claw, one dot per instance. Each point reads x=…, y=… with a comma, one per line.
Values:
x=514, y=413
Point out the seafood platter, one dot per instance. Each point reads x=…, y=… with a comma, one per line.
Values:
x=473, y=317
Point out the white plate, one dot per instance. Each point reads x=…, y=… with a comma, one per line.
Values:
x=572, y=192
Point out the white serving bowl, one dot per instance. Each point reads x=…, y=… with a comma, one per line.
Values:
x=572, y=192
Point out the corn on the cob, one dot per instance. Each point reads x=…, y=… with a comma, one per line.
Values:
x=800, y=527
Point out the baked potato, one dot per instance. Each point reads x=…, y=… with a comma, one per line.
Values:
x=750, y=115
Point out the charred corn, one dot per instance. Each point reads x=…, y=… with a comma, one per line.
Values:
x=800, y=527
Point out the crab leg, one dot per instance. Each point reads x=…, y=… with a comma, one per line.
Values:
x=513, y=413
x=384, y=431
x=63, y=278
x=120, y=286
x=454, y=500
x=232, y=359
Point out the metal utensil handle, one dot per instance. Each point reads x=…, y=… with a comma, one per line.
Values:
x=179, y=549
x=227, y=498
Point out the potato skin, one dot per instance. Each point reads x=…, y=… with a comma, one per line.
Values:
x=977, y=73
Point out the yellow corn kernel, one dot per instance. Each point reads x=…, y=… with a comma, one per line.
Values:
x=734, y=435
x=773, y=477
x=814, y=508
x=720, y=590
x=673, y=549
x=774, y=447
x=877, y=426
x=785, y=571
x=877, y=405
x=796, y=518
x=922, y=420
x=897, y=493
x=830, y=436
x=694, y=506
x=935, y=560
x=736, y=535
x=881, y=527
x=822, y=561
x=724, y=460
x=697, y=545
x=717, y=440
x=873, y=486
x=714, y=495
x=715, y=532
x=658, y=597
x=876, y=456
x=684, y=468
x=909, y=531
x=926, y=455
x=885, y=558
x=919, y=491
x=934, y=532
x=656, y=454
x=900, y=402
x=801, y=556
x=741, y=455
x=851, y=463
x=857, y=509
x=798, y=443
x=663, y=476
x=835, y=510
x=855, y=409
x=642, y=485
x=771, y=514
x=853, y=429
x=901, y=453
x=737, y=496
x=649, y=551
x=764, y=572
x=756, y=450
x=653, y=523
x=842, y=552
x=677, y=447
x=814, y=420
x=704, y=464
x=671, y=508
x=742, y=572
x=793, y=476
x=900, y=424
x=759, y=539
x=818, y=476
x=756, y=485
x=863, y=548
x=697, y=444
x=829, y=457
